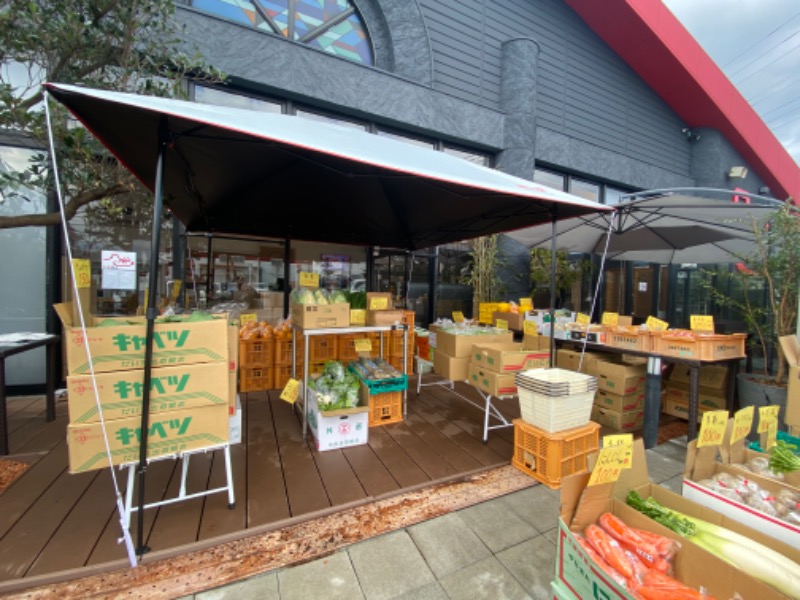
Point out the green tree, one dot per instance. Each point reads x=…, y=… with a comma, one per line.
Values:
x=568, y=272
x=124, y=45
x=484, y=265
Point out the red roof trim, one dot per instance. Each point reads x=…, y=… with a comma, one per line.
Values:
x=646, y=35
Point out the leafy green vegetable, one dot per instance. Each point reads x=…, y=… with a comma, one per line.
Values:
x=660, y=514
x=782, y=457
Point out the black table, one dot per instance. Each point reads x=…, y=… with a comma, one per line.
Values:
x=652, y=400
x=9, y=349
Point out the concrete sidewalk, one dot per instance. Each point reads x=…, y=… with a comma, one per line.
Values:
x=502, y=548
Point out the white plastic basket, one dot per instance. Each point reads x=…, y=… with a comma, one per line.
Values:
x=555, y=399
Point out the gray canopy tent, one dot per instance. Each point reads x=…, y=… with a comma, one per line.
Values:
x=225, y=170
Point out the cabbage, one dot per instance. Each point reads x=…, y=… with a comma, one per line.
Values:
x=334, y=369
x=303, y=296
x=337, y=297
x=320, y=297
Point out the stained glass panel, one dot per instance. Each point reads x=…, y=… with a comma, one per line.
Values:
x=348, y=39
x=278, y=11
x=241, y=11
x=310, y=14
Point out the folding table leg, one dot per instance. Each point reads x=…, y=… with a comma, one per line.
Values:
x=229, y=477
x=129, y=497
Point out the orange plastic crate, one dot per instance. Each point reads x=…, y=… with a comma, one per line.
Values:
x=393, y=343
x=320, y=348
x=629, y=338
x=700, y=347
x=283, y=352
x=549, y=457
x=282, y=375
x=385, y=408
x=256, y=379
x=397, y=363
x=257, y=352
x=347, y=345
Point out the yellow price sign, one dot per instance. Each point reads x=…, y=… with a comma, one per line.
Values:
x=526, y=304
x=623, y=439
x=501, y=324
x=772, y=435
x=530, y=328
x=701, y=323
x=712, y=428
x=583, y=319
x=363, y=345
x=458, y=316
x=742, y=423
x=248, y=318
x=308, y=279
x=176, y=289
x=379, y=303
x=767, y=415
x=358, y=316
x=82, y=268
x=610, y=318
x=610, y=462
x=654, y=324
x=291, y=391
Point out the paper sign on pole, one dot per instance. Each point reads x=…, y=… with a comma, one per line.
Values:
x=712, y=428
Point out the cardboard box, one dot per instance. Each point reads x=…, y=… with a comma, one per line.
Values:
x=536, y=342
x=506, y=357
x=459, y=345
x=169, y=433
x=618, y=421
x=321, y=316
x=577, y=575
x=791, y=349
x=571, y=360
x=619, y=377
x=738, y=454
x=619, y=402
x=380, y=301
x=515, y=321
x=122, y=347
x=384, y=317
x=707, y=399
x=491, y=382
x=449, y=367
x=171, y=388
x=336, y=429
x=710, y=377
x=701, y=463
x=677, y=408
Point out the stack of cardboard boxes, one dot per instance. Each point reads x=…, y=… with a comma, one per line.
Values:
x=712, y=392
x=192, y=387
x=454, y=347
x=493, y=366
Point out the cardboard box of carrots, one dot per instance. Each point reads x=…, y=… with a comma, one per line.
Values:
x=612, y=544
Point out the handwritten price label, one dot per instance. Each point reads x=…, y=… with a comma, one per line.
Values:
x=583, y=319
x=624, y=440
x=458, y=316
x=526, y=304
x=767, y=415
x=772, y=435
x=290, y=391
x=529, y=328
x=379, y=303
x=742, y=423
x=176, y=289
x=363, y=345
x=501, y=324
x=610, y=462
x=654, y=324
x=610, y=318
x=309, y=279
x=712, y=428
x=358, y=316
x=82, y=268
x=701, y=323
x=247, y=318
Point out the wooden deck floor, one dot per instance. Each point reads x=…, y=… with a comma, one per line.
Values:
x=53, y=523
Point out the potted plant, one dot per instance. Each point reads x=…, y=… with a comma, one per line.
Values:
x=762, y=290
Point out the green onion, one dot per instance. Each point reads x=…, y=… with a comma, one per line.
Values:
x=782, y=458
x=745, y=554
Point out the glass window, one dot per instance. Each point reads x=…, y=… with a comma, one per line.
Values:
x=585, y=189
x=406, y=138
x=329, y=119
x=473, y=157
x=550, y=179
x=333, y=26
x=614, y=195
x=207, y=95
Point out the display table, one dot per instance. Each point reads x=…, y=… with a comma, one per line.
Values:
x=306, y=333
x=652, y=406
x=16, y=343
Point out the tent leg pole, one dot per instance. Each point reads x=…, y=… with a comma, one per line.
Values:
x=152, y=313
x=553, y=279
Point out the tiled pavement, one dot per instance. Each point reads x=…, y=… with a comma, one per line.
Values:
x=502, y=548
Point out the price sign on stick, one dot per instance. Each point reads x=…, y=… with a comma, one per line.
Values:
x=654, y=324
x=767, y=415
x=624, y=440
x=458, y=316
x=701, y=323
x=529, y=328
x=583, y=319
x=247, y=318
x=526, y=304
x=501, y=324
x=378, y=303
x=83, y=272
x=742, y=423
x=309, y=279
x=610, y=318
x=712, y=428
x=772, y=435
x=610, y=462
x=363, y=345
x=290, y=391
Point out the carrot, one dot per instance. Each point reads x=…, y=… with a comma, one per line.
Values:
x=665, y=546
x=609, y=549
x=656, y=580
x=650, y=593
x=616, y=528
x=640, y=568
x=600, y=562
